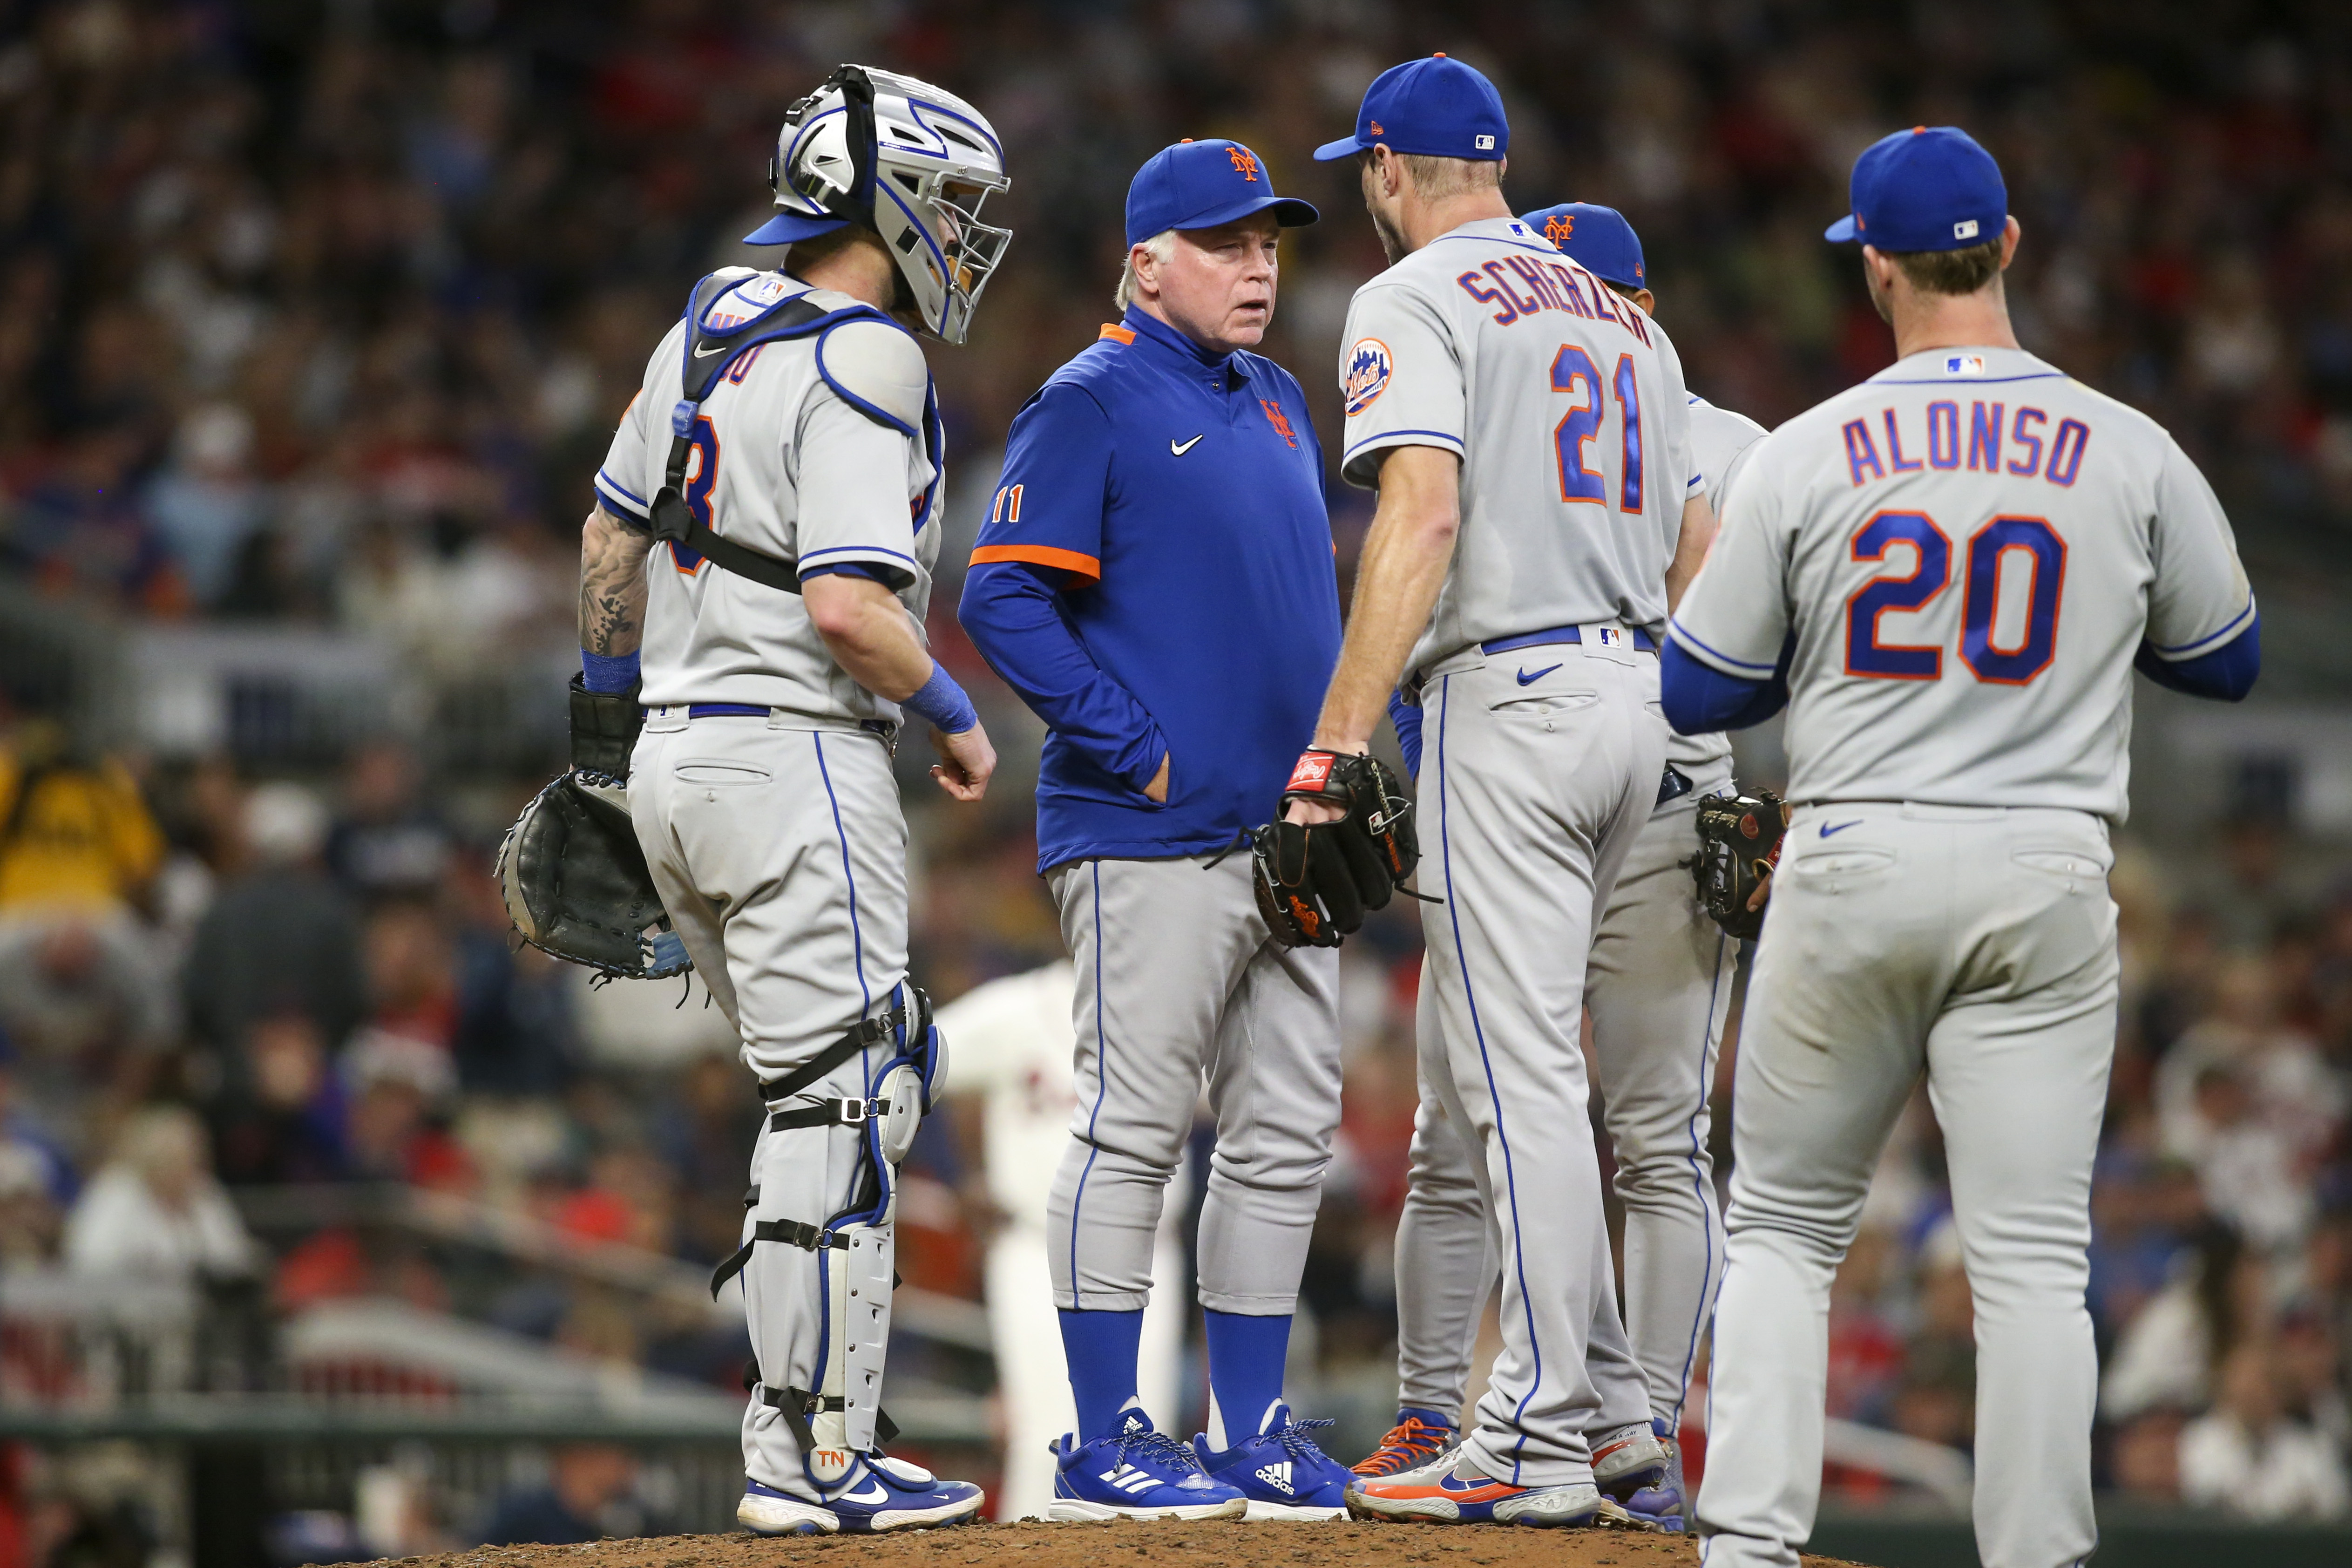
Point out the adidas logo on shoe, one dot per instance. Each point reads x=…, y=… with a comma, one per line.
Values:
x=1277, y=1475
x=1129, y=1480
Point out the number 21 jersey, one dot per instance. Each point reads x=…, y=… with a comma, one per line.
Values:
x=1566, y=405
x=1967, y=550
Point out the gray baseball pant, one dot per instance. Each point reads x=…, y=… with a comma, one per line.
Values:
x=1975, y=946
x=1178, y=982
x=780, y=855
x=1659, y=982
x=1534, y=792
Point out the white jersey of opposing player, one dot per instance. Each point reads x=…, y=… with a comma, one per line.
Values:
x=1718, y=438
x=1968, y=549
x=1566, y=404
x=1010, y=1041
x=782, y=464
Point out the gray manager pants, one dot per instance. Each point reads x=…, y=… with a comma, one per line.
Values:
x=1178, y=982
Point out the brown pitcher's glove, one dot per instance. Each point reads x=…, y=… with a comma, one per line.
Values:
x=1738, y=847
x=1314, y=880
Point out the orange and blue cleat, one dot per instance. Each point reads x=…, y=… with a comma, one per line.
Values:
x=1452, y=1491
x=1412, y=1442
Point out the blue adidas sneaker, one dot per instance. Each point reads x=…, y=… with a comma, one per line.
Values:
x=1280, y=1473
x=1138, y=1472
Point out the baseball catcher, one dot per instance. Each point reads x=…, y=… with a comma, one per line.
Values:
x=753, y=584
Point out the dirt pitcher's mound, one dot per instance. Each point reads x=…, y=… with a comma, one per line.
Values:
x=1217, y=1544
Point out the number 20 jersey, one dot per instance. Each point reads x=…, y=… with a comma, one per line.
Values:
x=1566, y=405
x=1967, y=550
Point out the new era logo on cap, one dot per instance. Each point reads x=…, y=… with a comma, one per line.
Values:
x=1436, y=107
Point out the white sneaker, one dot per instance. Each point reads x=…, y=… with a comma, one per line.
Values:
x=764, y=1510
x=1627, y=1457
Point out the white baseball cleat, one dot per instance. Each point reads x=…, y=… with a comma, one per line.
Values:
x=764, y=1510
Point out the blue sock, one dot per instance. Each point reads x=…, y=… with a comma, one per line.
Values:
x=1245, y=1357
x=1101, y=1349
x=1435, y=1418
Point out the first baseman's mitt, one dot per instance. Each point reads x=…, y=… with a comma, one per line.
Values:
x=1739, y=845
x=1314, y=883
x=576, y=885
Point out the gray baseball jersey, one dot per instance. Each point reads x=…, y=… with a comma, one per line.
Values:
x=783, y=463
x=1968, y=549
x=1566, y=404
x=1718, y=438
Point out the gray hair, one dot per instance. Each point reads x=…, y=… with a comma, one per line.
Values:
x=1162, y=246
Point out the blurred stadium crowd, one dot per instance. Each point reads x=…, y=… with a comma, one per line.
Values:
x=322, y=314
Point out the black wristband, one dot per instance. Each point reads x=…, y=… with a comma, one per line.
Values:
x=605, y=726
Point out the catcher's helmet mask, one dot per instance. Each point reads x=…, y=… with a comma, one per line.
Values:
x=911, y=163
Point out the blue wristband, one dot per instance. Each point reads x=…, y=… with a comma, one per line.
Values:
x=600, y=673
x=942, y=701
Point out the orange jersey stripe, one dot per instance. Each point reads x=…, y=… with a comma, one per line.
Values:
x=1040, y=555
x=1117, y=334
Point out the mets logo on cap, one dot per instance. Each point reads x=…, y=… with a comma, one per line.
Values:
x=1368, y=364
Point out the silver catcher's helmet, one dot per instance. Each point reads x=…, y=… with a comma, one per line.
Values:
x=907, y=160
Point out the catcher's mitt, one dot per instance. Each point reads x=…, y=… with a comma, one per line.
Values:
x=1315, y=882
x=1739, y=845
x=576, y=884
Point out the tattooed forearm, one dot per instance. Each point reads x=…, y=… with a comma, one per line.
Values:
x=611, y=586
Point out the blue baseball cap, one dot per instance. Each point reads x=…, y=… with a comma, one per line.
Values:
x=1436, y=107
x=1596, y=238
x=1931, y=187
x=1200, y=185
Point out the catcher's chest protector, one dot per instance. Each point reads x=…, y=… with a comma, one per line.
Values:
x=730, y=313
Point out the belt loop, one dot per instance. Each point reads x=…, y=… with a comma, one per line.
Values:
x=776, y=719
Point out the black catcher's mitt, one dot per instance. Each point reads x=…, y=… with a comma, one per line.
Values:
x=1739, y=845
x=1314, y=883
x=576, y=884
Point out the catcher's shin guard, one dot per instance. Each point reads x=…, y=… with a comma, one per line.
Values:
x=857, y=1285
x=842, y=1417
